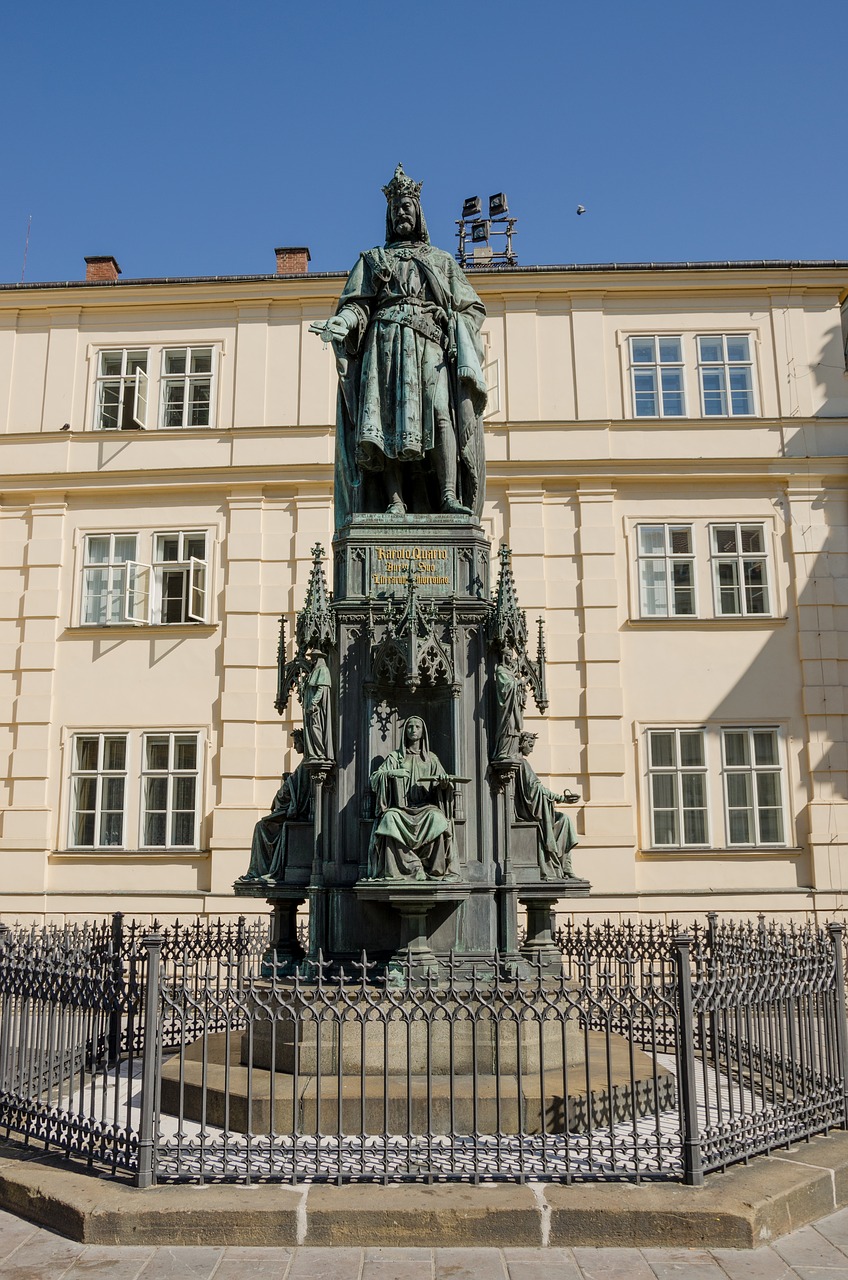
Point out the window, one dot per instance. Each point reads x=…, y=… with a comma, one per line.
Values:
x=666, y=570
x=754, y=807
x=169, y=587
x=702, y=570
x=715, y=786
x=724, y=368
x=121, y=402
x=152, y=805
x=125, y=399
x=105, y=560
x=740, y=569
x=656, y=371
x=186, y=387
x=678, y=786
x=169, y=790
x=660, y=364
x=98, y=790
x=180, y=577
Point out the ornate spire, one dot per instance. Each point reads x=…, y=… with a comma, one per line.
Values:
x=402, y=185
x=508, y=631
x=315, y=628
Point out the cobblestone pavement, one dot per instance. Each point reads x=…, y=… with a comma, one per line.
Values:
x=818, y=1252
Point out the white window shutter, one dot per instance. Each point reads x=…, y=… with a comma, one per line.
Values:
x=137, y=593
x=197, y=590
x=492, y=374
x=140, y=398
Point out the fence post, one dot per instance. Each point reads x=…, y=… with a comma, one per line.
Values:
x=693, y=1172
x=152, y=944
x=116, y=943
x=836, y=931
x=241, y=948
x=5, y=1021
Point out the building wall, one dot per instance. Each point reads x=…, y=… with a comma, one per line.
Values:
x=572, y=474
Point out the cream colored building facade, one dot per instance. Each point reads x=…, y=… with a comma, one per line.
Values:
x=666, y=453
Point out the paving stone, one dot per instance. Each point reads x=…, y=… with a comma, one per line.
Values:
x=325, y=1264
x=13, y=1232
x=612, y=1264
x=48, y=1255
x=182, y=1262
x=820, y=1273
x=835, y=1229
x=542, y=1264
x=469, y=1264
x=397, y=1264
x=254, y=1264
x=121, y=1262
x=809, y=1248
x=683, y=1264
x=759, y=1264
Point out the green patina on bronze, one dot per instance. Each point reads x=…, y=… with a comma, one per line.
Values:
x=406, y=335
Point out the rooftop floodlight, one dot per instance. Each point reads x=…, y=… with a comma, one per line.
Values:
x=471, y=206
x=480, y=230
x=498, y=205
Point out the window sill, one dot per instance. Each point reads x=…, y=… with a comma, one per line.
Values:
x=126, y=855
x=695, y=420
x=732, y=851
x=732, y=623
x=142, y=628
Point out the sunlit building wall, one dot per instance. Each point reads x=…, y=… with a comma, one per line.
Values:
x=666, y=451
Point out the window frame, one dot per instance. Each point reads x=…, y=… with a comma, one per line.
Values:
x=707, y=600
x=726, y=365
x=101, y=775
x=187, y=378
x=149, y=389
x=116, y=590
x=194, y=575
x=669, y=558
x=171, y=773
x=753, y=770
x=657, y=365
x=136, y=384
x=691, y=381
x=677, y=770
x=717, y=791
x=134, y=799
x=739, y=557
x=136, y=583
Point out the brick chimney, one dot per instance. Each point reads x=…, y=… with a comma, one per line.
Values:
x=292, y=260
x=102, y=268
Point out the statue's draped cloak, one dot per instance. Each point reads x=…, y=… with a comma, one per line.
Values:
x=413, y=355
x=408, y=822
x=269, y=848
x=557, y=837
x=510, y=699
x=317, y=720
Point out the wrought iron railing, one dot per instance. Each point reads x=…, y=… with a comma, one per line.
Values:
x=654, y=1053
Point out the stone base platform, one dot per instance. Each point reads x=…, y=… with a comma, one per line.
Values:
x=744, y=1208
x=260, y=1101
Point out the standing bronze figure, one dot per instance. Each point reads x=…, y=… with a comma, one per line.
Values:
x=412, y=392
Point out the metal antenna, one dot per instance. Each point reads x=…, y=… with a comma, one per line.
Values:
x=26, y=247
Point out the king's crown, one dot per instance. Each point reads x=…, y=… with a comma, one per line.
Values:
x=402, y=185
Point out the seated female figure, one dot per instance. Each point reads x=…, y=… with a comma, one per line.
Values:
x=412, y=836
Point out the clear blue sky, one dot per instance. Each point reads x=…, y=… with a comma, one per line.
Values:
x=190, y=138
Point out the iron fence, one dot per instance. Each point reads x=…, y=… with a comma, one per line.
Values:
x=650, y=1053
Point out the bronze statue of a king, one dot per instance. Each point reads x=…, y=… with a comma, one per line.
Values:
x=406, y=335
